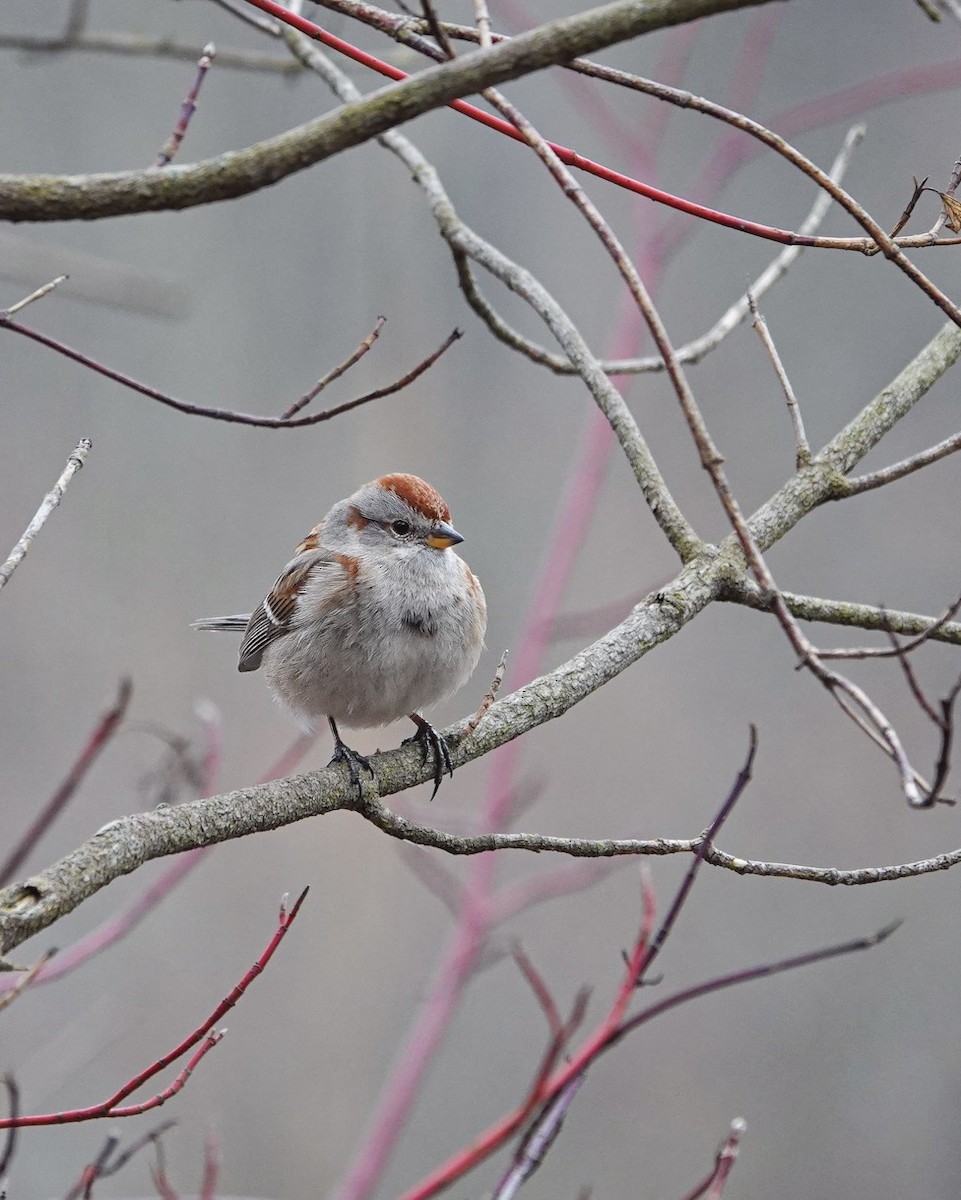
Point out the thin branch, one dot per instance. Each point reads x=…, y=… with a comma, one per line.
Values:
x=10, y=1142
x=538, y=1141
x=26, y=979
x=850, y=614
x=225, y=414
x=335, y=372
x=187, y=109
x=802, y=453
x=693, y=351
x=37, y=295
x=713, y=1185
x=205, y=1034
x=132, y=45
x=701, y=854
x=50, y=502
x=490, y=695
x=105, y=729
x=105, y=1164
x=907, y=466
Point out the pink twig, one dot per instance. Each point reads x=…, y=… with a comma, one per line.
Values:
x=205, y=1034
x=98, y=739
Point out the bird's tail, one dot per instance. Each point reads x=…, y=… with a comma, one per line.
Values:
x=234, y=624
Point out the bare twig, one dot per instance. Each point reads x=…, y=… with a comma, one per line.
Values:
x=335, y=372
x=849, y=614
x=802, y=450
x=204, y=1034
x=538, y=1141
x=51, y=500
x=704, y=849
x=907, y=466
x=105, y=1164
x=187, y=109
x=225, y=414
x=713, y=1186
x=25, y=979
x=37, y=295
x=490, y=696
x=10, y=1141
x=132, y=45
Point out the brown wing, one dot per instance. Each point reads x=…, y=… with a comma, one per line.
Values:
x=273, y=615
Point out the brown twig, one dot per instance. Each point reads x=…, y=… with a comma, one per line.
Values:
x=25, y=979
x=335, y=372
x=705, y=847
x=223, y=414
x=802, y=450
x=490, y=696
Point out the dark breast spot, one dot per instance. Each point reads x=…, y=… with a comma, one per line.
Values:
x=422, y=623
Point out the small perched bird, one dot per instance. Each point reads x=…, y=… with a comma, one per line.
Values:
x=374, y=618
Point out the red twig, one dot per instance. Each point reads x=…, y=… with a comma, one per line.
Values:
x=611, y=1030
x=569, y=157
x=540, y=990
x=98, y=739
x=204, y=1034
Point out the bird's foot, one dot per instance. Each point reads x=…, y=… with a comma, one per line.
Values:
x=431, y=742
x=353, y=761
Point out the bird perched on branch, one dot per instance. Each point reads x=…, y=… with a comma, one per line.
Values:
x=373, y=619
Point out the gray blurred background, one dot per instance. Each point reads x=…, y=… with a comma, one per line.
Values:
x=848, y=1074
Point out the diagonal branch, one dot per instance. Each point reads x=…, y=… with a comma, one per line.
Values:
x=238, y=173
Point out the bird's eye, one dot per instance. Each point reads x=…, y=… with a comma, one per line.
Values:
x=401, y=528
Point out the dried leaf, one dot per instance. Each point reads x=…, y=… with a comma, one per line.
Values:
x=952, y=211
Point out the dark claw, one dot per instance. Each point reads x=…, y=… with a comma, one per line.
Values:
x=353, y=760
x=431, y=742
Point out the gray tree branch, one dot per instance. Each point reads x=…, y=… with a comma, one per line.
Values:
x=240, y=172
x=127, y=843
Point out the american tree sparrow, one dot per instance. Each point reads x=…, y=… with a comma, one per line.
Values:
x=374, y=618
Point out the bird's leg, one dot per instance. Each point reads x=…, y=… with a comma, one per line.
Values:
x=344, y=754
x=432, y=742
